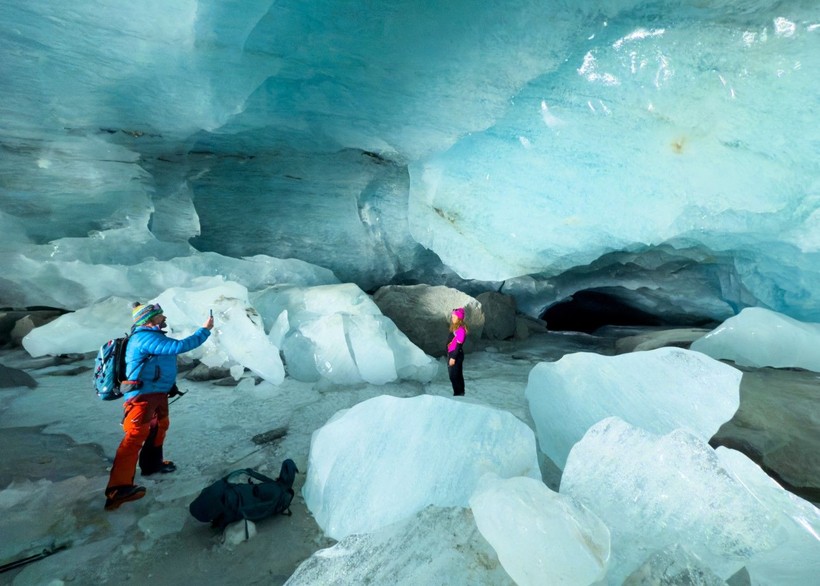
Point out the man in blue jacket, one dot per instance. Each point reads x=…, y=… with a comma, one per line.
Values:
x=151, y=372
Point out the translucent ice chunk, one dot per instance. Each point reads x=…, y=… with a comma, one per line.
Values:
x=760, y=337
x=541, y=537
x=387, y=458
x=656, y=491
x=659, y=391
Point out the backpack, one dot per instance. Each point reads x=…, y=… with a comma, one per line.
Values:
x=109, y=370
x=226, y=501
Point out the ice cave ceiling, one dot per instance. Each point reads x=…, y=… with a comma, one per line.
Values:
x=663, y=152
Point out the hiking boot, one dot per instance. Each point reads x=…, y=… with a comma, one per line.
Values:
x=117, y=495
x=165, y=468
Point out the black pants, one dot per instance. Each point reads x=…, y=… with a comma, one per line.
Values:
x=457, y=373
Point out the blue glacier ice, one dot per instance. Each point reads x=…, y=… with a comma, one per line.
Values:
x=662, y=156
x=540, y=141
x=438, y=450
x=449, y=538
x=674, y=489
x=759, y=337
x=540, y=536
x=657, y=391
x=337, y=334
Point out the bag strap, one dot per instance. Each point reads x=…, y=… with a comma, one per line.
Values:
x=248, y=472
x=259, y=510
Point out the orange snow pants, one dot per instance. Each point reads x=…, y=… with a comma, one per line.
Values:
x=141, y=413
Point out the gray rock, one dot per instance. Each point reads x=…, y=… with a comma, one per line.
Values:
x=776, y=427
x=70, y=371
x=201, y=373
x=680, y=338
x=7, y=321
x=269, y=436
x=21, y=329
x=522, y=330
x=525, y=325
x=16, y=323
x=499, y=315
x=228, y=381
x=12, y=377
x=422, y=313
x=740, y=578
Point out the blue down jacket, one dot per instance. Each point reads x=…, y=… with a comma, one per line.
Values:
x=151, y=357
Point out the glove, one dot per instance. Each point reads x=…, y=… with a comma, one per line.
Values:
x=175, y=392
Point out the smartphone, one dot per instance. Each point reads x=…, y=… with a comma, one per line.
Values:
x=211, y=312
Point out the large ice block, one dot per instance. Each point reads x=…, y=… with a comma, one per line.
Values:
x=796, y=559
x=659, y=390
x=385, y=459
x=336, y=333
x=760, y=337
x=541, y=537
x=435, y=546
x=657, y=491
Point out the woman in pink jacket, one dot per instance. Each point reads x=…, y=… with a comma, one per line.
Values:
x=455, y=351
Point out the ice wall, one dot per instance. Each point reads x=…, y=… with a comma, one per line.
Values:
x=420, y=141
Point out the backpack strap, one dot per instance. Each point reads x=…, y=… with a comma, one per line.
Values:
x=248, y=472
x=256, y=511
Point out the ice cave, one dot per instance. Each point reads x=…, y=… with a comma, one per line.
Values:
x=623, y=195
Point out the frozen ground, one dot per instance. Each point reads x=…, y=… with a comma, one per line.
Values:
x=58, y=440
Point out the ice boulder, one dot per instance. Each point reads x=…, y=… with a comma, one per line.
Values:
x=658, y=390
x=796, y=559
x=337, y=334
x=673, y=566
x=540, y=536
x=657, y=491
x=386, y=458
x=238, y=336
x=436, y=546
x=237, y=340
x=81, y=331
x=760, y=337
x=73, y=273
x=37, y=514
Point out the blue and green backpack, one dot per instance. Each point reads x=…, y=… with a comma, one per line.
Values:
x=109, y=369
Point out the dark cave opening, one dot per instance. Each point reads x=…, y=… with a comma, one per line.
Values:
x=589, y=310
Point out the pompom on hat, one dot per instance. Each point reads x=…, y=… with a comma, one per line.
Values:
x=142, y=314
x=459, y=313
